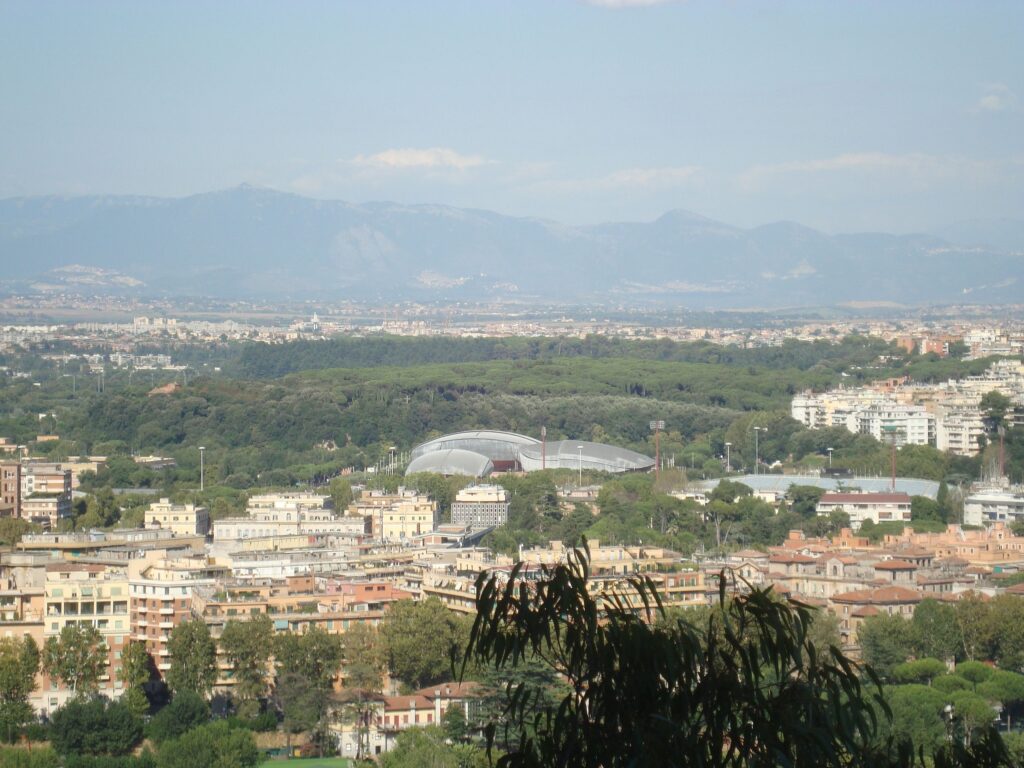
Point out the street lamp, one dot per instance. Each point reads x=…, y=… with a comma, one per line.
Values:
x=728, y=458
x=757, y=430
x=580, y=449
x=202, y=467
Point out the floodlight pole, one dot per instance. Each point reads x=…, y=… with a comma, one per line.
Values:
x=202, y=468
x=657, y=426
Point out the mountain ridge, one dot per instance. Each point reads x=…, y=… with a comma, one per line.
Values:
x=258, y=242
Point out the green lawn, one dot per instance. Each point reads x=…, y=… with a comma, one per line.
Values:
x=313, y=762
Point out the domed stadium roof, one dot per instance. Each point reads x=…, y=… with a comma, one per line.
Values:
x=567, y=454
x=453, y=461
x=496, y=445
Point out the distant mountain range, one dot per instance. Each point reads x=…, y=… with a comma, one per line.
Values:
x=250, y=242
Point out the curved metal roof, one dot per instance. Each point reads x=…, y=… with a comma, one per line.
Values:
x=492, y=443
x=566, y=454
x=452, y=462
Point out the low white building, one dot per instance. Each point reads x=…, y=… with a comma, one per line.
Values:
x=993, y=505
x=267, y=523
x=877, y=507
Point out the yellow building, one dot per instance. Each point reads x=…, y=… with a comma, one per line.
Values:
x=180, y=519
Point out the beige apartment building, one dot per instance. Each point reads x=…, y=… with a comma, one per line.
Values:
x=161, y=589
x=396, y=517
x=180, y=519
x=93, y=595
x=10, y=489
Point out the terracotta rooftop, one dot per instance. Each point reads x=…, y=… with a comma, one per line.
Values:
x=796, y=557
x=749, y=554
x=895, y=565
x=880, y=596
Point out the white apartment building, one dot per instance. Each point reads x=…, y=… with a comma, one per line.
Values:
x=904, y=424
x=481, y=506
x=993, y=505
x=877, y=507
x=265, y=523
x=959, y=429
x=946, y=415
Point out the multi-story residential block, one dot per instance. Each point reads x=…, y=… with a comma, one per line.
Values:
x=899, y=424
x=45, y=477
x=10, y=489
x=397, y=516
x=877, y=507
x=946, y=415
x=481, y=506
x=986, y=506
x=161, y=588
x=180, y=519
x=264, y=523
x=45, y=492
x=959, y=429
x=93, y=595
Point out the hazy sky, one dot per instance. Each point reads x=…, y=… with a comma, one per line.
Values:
x=843, y=115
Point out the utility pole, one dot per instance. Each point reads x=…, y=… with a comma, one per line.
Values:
x=202, y=468
x=728, y=458
x=580, y=449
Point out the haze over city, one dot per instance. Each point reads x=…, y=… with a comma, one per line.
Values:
x=541, y=384
x=898, y=117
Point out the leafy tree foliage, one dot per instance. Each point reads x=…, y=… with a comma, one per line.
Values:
x=306, y=667
x=752, y=691
x=216, y=745
x=918, y=671
x=187, y=710
x=364, y=662
x=95, y=727
x=193, y=656
x=248, y=645
x=420, y=640
x=429, y=748
x=136, y=670
x=19, y=662
x=935, y=631
x=76, y=657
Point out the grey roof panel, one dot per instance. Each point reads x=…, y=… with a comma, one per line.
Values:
x=452, y=462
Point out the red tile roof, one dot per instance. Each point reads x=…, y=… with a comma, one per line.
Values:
x=895, y=565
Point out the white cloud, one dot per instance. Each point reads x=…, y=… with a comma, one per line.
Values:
x=997, y=97
x=406, y=158
x=912, y=164
x=627, y=178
